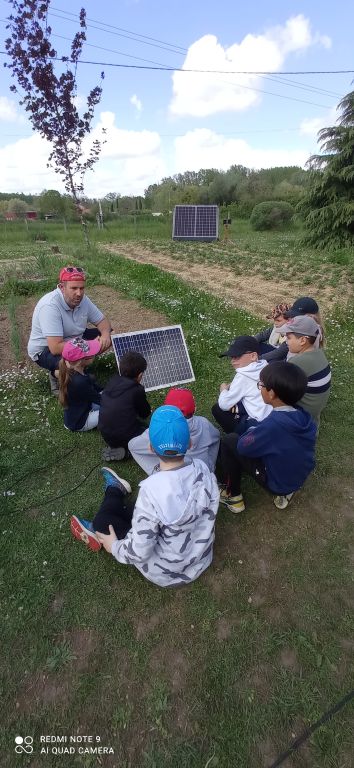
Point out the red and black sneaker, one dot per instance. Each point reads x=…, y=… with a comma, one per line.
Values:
x=83, y=530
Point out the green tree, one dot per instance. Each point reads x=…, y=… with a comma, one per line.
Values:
x=18, y=207
x=51, y=202
x=328, y=206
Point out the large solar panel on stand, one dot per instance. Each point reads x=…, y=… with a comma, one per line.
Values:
x=165, y=351
x=195, y=222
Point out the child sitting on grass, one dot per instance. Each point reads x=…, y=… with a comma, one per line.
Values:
x=205, y=438
x=301, y=336
x=123, y=406
x=79, y=393
x=279, y=453
x=271, y=338
x=240, y=404
x=169, y=534
x=306, y=306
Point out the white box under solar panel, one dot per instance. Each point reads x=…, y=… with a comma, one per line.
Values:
x=195, y=222
x=165, y=351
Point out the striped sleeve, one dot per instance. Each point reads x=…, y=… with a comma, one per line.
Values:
x=319, y=382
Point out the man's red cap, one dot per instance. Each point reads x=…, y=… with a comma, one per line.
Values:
x=68, y=274
x=182, y=399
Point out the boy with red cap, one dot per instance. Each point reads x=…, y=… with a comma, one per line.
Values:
x=61, y=315
x=205, y=438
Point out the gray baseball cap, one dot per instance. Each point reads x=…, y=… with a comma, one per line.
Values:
x=303, y=325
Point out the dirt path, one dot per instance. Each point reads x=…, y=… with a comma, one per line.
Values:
x=125, y=315
x=251, y=292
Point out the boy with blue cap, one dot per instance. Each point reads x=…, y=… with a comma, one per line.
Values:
x=169, y=534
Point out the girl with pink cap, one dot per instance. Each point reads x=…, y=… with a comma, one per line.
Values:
x=79, y=393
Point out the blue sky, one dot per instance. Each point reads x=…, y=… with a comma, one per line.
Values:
x=161, y=123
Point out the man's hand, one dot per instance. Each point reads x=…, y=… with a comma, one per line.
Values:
x=105, y=340
x=107, y=539
x=224, y=386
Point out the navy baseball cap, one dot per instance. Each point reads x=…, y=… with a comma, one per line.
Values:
x=303, y=306
x=241, y=345
x=169, y=431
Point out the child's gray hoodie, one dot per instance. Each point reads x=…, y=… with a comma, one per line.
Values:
x=205, y=440
x=172, y=534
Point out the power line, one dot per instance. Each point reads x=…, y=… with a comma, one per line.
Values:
x=122, y=30
x=300, y=86
x=163, y=68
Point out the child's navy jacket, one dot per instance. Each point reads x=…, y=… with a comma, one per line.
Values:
x=83, y=390
x=285, y=442
x=123, y=404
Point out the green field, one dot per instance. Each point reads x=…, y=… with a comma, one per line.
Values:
x=226, y=671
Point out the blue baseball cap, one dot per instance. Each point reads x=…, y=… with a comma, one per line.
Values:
x=169, y=431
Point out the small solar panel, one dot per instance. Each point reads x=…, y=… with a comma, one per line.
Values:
x=165, y=352
x=195, y=222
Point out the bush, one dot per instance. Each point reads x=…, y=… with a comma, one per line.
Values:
x=271, y=215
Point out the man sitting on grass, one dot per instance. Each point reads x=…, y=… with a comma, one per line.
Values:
x=169, y=534
x=279, y=453
x=62, y=315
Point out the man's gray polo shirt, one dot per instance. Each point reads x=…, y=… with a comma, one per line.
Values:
x=53, y=317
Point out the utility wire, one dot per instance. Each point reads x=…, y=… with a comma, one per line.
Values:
x=209, y=71
x=121, y=29
x=312, y=728
x=60, y=496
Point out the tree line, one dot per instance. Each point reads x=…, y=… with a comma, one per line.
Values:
x=239, y=189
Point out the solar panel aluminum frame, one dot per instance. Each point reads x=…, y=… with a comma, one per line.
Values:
x=195, y=236
x=166, y=384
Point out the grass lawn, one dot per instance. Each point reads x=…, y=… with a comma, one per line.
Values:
x=224, y=672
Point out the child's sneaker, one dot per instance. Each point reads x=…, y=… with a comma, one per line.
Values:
x=281, y=502
x=111, y=479
x=236, y=504
x=83, y=530
x=113, y=454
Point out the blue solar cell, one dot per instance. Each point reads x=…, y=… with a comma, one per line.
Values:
x=165, y=351
x=195, y=222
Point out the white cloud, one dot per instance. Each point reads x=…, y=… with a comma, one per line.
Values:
x=203, y=148
x=311, y=125
x=199, y=95
x=8, y=111
x=129, y=162
x=136, y=102
x=122, y=143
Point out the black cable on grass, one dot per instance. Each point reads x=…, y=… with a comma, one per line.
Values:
x=312, y=728
x=38, y=469
x=61, y=495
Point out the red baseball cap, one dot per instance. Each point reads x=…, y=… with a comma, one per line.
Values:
x=71, y=273
x=182, y=399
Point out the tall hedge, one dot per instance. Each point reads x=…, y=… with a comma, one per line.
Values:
x=271, y=215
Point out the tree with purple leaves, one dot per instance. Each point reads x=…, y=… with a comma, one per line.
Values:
x=49, y=95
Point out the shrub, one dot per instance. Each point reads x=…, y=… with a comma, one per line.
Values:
x=271, y=215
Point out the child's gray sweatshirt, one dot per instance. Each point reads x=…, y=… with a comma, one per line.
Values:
x=172, y=534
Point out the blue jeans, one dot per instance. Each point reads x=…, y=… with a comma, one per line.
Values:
x=51, y=362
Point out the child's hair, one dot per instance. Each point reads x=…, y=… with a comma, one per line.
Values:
x=288, y=381
x=132, y=364
x=65, y=373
